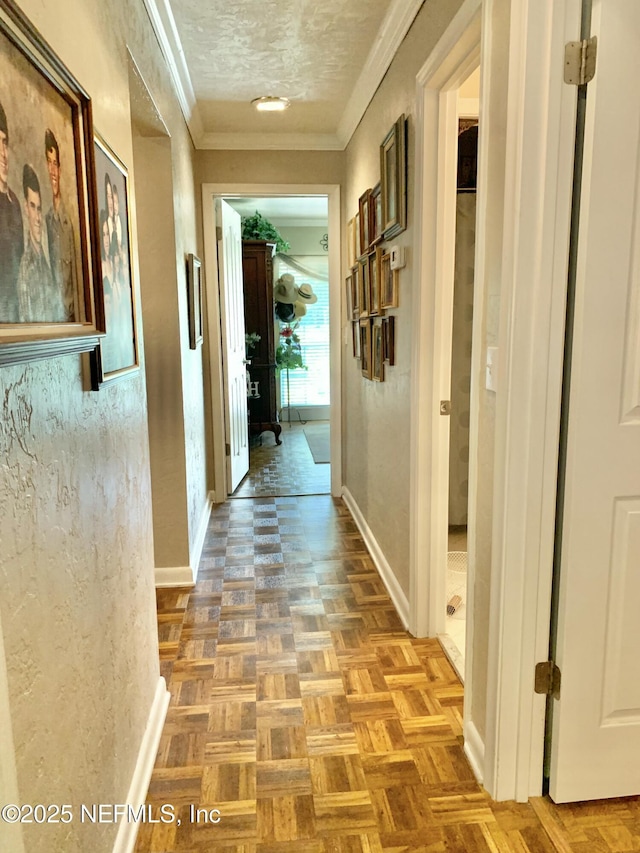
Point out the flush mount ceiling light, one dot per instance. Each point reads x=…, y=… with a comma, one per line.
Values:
x=269, y=103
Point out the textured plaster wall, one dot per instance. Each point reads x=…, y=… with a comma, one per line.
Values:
x=76, y=566
x=376, y=415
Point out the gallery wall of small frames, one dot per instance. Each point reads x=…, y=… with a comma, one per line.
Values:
x=372, y=287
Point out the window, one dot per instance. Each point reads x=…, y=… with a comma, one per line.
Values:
x=310, y=387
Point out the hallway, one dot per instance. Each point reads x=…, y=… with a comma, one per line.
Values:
x=305, y=714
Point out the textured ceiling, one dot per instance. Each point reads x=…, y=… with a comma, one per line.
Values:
x=309, y=51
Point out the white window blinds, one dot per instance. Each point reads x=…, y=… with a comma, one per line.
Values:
x=310, y=387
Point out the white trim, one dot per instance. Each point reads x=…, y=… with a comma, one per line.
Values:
x=377, y=555
x=454, y=655
x=209, y=193
x=397, y=22
x=128, y=830
x=168, y=576
x=10, y=833
x=269, y=142
x=164, y=26
x=474, y=749
x=201, y=535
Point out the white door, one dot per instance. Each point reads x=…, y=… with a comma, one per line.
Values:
x=595, y=747
x=233, y=345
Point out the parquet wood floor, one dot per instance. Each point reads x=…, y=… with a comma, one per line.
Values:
x=304, y=713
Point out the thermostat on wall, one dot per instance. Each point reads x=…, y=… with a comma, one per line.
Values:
x=397, y=257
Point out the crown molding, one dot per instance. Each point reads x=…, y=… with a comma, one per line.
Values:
x=270, y=142
x=396, y=24
x=164, y=26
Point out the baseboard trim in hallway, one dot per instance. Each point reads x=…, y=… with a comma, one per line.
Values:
x=384, y=569
x=173, y=576
x=128, y=831
x=474, y=750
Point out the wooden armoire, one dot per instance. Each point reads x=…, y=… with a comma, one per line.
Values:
x=257, y=268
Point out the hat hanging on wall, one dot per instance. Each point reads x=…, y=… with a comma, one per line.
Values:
x=285, y=289
x=306, y=294
x=299, y=310
x=285, y=312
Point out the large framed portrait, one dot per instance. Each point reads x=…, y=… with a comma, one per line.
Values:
x=393, y=179
x=117, y=354
x=50, y=287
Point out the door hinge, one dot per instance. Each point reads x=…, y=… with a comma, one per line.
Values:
x=580, y=61
x=445, y=407
x=547, y=679
x=227, y=450
x=218, y=232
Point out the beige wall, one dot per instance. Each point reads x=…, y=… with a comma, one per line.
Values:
x=76, y=564
x=376, y=415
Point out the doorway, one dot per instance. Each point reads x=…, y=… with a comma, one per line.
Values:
x=322, y=477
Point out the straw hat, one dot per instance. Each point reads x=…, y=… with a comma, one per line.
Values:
x=300, y=310
x=306, y=294
x=285, y=289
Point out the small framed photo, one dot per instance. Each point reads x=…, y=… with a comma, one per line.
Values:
x=355, y=335
x=364, y=215
x=365, y=295
x=388, y=283
x=351, y=242
x=348, y=289
x=194, y=295
x=393, y=181
x=377, y=352
x=50, y=285
x=355, y=291
x=375, y=270
x=365, y=347
x=117, y=355
x=388, y=340
x=375, y=215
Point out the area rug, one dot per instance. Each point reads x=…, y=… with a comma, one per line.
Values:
x=317, y=436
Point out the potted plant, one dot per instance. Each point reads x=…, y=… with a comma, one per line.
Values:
x=289, y=356
x=256, y=227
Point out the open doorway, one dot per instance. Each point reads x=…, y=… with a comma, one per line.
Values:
x=308, y=412
x=454, y=637
x=287, y=344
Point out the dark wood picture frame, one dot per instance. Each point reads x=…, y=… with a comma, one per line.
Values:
x=388, y=283
x=50, y=287
x=364, y=211
x=375, y=214
x=355, y=291
x=377, y=352
x=393, y=179
x=363, y=282
x=365, y=347
x=375, y=281
x=194, y=294
x=116, y=356
x=388, y=340
x=355, y=336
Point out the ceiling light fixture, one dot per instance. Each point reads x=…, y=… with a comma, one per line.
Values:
x=269, y=103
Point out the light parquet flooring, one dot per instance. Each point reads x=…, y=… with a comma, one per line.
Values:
x=304, y=713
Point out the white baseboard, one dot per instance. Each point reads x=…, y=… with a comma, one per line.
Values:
x=128, y=830
x=474, y=750
x=169, y=576
x=389, y=579
x=198, y=545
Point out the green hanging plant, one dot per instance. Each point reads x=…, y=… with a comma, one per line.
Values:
x=289, y=352
x=256, y=227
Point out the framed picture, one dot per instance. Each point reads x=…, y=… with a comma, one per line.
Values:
x=365, y=347
x=355, y=291
x=375, y=215
x=388, y=283
x=351, y=242
x=377, y=353
x=363, y=281
x=117, y=354
x=50, y=286
x=348, y=287
x=355, y=335
x=364, y=216
x=374, y=281
x=194, y=293
x=393, y=181
x=388, y=340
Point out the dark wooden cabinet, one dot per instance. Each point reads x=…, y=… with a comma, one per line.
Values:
x=257, y=268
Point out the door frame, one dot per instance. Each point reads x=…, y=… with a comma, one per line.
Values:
x=521, y=273
x=209, y=193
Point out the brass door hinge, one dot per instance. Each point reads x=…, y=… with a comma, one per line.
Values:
x=580, y=61
x=547, y=679
x=227, y=449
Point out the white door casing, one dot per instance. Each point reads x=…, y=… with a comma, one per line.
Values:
x=595, y=740
x=233, y=343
